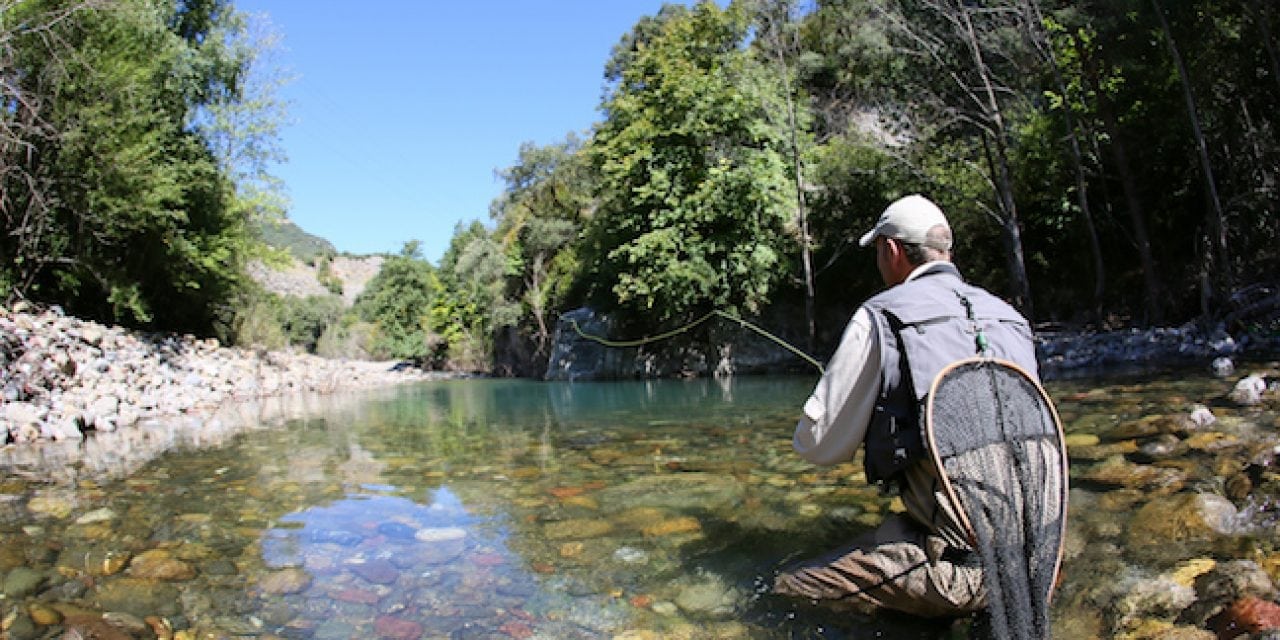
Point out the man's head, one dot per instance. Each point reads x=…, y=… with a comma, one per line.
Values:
x=910, y=232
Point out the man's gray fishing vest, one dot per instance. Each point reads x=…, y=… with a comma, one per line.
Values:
x=923, y=325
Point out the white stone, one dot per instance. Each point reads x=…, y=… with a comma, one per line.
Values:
x=22, y=413
x=1249, y=390
x=1202, y=416
x=440, y=534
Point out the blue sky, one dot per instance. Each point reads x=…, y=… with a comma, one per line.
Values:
x=401, y=111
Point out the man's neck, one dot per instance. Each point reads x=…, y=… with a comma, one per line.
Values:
x=941, y=265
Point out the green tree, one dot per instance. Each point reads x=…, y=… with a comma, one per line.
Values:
x=474, y=305
x=114, y=205
x=972, y=63
x=398, y=302
x=538, y=218
x=694, y=186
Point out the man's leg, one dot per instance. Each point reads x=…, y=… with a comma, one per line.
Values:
x=889, y=568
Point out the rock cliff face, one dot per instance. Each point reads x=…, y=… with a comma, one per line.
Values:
x=299, y=279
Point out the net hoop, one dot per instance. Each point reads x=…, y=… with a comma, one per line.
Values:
x=949, y=490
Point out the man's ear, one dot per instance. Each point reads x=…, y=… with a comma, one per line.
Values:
x=894, y=247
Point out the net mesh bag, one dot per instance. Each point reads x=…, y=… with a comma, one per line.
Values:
x=996, y=437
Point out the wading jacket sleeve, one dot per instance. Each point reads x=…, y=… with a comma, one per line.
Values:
x=836, y=415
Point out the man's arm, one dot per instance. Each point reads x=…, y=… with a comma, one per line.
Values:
x=836, y=415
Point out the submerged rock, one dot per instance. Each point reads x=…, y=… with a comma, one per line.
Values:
x=285, y=581
x=708, y=596
x=577, y=529
x=1169, y=526
x=137, y=596
x=1246, y=616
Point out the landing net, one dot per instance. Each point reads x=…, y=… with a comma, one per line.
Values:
x=996, y=437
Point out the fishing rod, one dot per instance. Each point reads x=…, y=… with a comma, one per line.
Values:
x=679, y=330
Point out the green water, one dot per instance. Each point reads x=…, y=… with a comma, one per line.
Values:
x=514, y=509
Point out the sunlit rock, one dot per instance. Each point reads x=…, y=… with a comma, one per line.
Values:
x=54, y=504
x=159, y=564
x=1201, y=416
x=1248, y=390
x=1185, y=521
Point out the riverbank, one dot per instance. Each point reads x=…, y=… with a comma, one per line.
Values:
x=64, y=378
x=1069, y=353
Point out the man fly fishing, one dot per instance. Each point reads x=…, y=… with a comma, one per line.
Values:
x=937, y=380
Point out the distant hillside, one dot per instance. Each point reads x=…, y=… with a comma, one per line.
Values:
x=290, y=237
x=315, y=269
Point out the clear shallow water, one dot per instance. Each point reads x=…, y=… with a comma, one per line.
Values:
x=516, y=509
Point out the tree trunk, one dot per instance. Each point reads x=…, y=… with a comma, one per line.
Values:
x=1035, y=25
x=1002, y=177
x=1129, y=185
x=779, y=49
x=1215, y=219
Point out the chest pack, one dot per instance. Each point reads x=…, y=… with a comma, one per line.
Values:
x=923, y=326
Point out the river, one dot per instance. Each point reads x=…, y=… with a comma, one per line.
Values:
x=518, y=509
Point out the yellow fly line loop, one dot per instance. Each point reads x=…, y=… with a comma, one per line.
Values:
x=679, y=330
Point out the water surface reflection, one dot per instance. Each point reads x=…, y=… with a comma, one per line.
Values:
x=514, y=509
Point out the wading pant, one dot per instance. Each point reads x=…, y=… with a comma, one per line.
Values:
x=898, y=566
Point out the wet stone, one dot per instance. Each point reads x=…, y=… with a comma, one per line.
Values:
x=159, y=564
x=1161, y=447
x=577, y=529
x=397, y=530
x=219, y=567
x=21, y=627
x=44, y=615
x=356, y=596
x=393, y=628
x=376, y=571
x=673, y=526
x=1185, y=519
x=340, y=538
x=285, y=581
x=1248, y=615
x=441, y=553
x=140, y=597
x=22, y=582
x=709, y=596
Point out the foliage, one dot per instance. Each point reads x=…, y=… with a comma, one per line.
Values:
x=257, y=324
x=114, y=203
x=538, y=219
x=304, y=320
x=694, y=186
x=286, y=235
x=397, y=302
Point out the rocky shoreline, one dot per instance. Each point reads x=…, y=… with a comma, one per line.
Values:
x=64, y=378
x=1067, y=353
